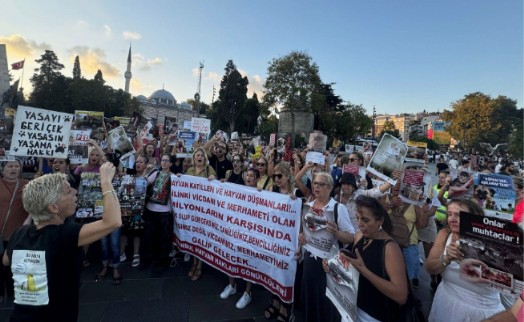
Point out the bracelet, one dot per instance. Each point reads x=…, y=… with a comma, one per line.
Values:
x=108, y=191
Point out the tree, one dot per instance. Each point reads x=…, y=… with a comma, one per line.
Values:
x=49, y=85
x=290, y=83
x=479, y=118
x=346, y=123
x=77, y=73
x=232, y=95
x=247, y=120
x=99, y=77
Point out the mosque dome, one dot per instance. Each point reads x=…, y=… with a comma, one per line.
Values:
x=163, y=97
x=141, y=98
x=185, y=105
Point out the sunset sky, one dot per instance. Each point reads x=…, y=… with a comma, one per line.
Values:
x=399, y=56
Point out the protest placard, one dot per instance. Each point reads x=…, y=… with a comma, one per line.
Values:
x=6, y=136
x=187, y=139
x=132, y=193
x=170, y=124
x=318, y=239
x=89, y=202
x=498, y=244
x=239, y=230
x=41, y=133
x=201, y=125
x=496, y=194
x=120, y=144
x=416, y=151
x=389, y=156
x=90, y=121
x=415, y=185
x=78, y=148
x=342, y=285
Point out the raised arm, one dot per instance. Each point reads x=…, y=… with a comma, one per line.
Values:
x=112, y=216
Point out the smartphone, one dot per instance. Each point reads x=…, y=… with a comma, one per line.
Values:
x=348, y=253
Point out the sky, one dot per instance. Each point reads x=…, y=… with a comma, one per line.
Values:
x=401, y=56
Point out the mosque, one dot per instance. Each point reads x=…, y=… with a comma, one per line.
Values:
x=161, y=102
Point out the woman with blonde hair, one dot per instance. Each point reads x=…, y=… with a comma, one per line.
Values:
x=200, y=168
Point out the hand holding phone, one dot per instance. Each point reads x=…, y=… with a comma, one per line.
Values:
x=348, y=253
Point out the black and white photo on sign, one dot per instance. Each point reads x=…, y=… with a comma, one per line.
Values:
x=170, y=125
x=41, y=133
x=119, y=143
x=415, y=184
x=388, y=157
x=314, y=223
x=317, y=142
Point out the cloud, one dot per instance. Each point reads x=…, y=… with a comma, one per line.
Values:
x=138, y=88
x=256, y=84
x=93, y=59
x=18, y=47
x=151, y=63
x=107, y=30
x=82, y=24
x=213, y=76
x=131, y=35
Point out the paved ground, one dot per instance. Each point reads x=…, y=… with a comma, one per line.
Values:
x=169, y=295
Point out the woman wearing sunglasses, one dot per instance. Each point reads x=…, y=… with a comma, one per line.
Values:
x=265, y=182
x=236, y=175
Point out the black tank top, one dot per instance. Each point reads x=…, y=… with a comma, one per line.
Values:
x=369, y=298
x=236, y=178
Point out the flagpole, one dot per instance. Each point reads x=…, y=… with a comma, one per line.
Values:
x=22, y=81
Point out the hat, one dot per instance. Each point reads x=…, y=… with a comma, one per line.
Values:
x=348, y=178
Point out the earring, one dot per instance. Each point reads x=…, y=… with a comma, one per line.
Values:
x=380, y=228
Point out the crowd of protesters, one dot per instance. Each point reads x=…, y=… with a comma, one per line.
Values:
x=388, y=268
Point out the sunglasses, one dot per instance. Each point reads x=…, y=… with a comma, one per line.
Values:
x=237, y=161
x=164, y=160
x=278, y=175
x=261, y=164
x=317, y=183
x=352, y=160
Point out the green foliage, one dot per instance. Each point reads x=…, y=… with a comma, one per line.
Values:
x=53, y=91
x=432, y=145
x=345, y=123
x=268, y=126
x=231, y=96
x=77, y=73
x=389, y=127
x=479, y=118
x=516, y=139
x=291, y=81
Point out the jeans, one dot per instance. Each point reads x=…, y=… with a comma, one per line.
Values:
x=411, y=258
x=110, y=246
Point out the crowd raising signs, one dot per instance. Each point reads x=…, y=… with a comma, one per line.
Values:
x=241, y=231
x=41, y=133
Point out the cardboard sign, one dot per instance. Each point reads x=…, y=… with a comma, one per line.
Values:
x=200, y=125
x=41, y=133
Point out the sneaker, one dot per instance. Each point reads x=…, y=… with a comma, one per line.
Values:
x=228, y=291
x=187, y=257
x=414, y=283
x=123, y=257
x=136, y=260
x=244, y=301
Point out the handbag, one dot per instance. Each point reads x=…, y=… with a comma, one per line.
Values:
x=7, y=216
x=411, y=311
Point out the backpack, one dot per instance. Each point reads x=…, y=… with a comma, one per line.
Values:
x=399, y=226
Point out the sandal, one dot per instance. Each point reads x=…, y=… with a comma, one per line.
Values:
x=117, y=278
x=197, y=275
x=192, y=270
x=271, y=312
x=100, y=276
x=136, y=260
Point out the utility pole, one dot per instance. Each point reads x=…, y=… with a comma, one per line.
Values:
x=373, y=125
x=197, y=95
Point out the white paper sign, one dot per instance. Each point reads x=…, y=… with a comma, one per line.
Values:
x=41, y=133
x=200, y=125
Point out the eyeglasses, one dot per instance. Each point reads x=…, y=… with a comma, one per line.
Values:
x=352, y=160
x=261, y=164
x=278, y=175
x=317, y=183
x=165, y=160
x=237, y=161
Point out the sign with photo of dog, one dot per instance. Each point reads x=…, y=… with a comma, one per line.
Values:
x=496, y=194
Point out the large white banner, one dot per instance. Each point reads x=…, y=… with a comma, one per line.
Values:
x=41, y=133
x=239, y=230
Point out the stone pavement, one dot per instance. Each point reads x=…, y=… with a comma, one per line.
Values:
x=158, y=295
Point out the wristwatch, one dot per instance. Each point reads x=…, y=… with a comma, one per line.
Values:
x=443, y=261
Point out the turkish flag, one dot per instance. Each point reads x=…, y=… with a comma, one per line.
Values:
x=18, y=65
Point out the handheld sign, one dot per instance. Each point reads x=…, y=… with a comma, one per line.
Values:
x=41, y=133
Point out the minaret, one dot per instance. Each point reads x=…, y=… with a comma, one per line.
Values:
x=128, y=71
